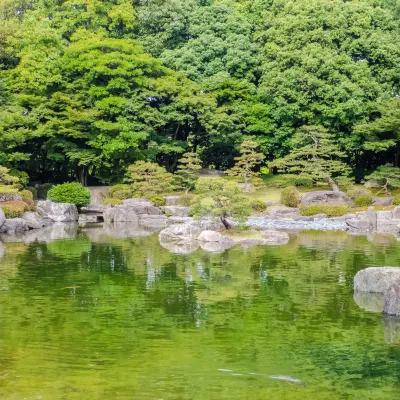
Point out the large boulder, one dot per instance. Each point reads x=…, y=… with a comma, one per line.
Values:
x=210, y=236
x=175, y=211
x=376, y=279
x=325, y=197
x=382, y=201
x=208, y=224
x=141, y=206
x=371, y=184
x=179, y=220
x=180, y=233
x=15, y=225
x=120, y=214
x=391, y=303
x=57, y=212
x=272, y=237
x=9, y=196
x=2, y=217
x=156, y=221
x=34, y=220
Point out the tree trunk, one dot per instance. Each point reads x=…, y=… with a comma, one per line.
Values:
x=333, y=185
x=82, y=176
x=226, y=223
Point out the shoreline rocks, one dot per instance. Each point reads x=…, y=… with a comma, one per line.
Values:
x=325, y=197
x=57, y=212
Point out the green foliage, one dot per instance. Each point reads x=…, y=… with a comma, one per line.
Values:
x=258, y=205
x=26, y=194
x=122, y=194
x=8, y=189
x=388, y=175
x=290, y=196
x=30, y=204
x=396, y=200
x=6, y=178
x=363, y=200
x=330, y=210
x=117, y=188
x=285, y=180
x=220, y=198
x=249, y=159
x=112, y=201
x=186, y=175
x=72, y=192
x=22, y=176
x=14, y=209
x=158, y=201
x=149, y=179
x=353, y=193
x=33, y=191
x=185, y=200
x=314, y=155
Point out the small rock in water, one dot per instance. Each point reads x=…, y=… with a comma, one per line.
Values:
x=288, y=379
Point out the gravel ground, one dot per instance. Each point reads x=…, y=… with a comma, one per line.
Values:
x=319, y=225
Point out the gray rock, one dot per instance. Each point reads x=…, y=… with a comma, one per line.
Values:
x=372, y=302
x=275, y=237
x=372, y=217
x=34, y=220
x=210, y=236
x=172, y=200
x=388, y=226
x=359, y=224
x=15, y=225
x=207, y=224
x=89, y=219
x=325, y=197
x=382, y=201
x=177, y=211
x=180, y=233
x=2, y=217
x=396, y=212
x=156, y=221
x=317, y=217
x=384, y=215
x=9, y=196
x=179, y=220
x=282, y=213
x=391, y=303
x=372, y=183
x=141, y=207
x=120, y=214
x=2, y=250
x=57, y=212
x=376, y=279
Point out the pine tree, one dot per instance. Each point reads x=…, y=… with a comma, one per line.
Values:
x=186, y=176
x=315, y=154
x=249, y=158
x=388, y=175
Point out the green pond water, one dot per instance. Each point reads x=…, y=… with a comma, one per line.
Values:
x=99, y=317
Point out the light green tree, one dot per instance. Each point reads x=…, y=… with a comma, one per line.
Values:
x=186, y=175
x=148, y=179
x=249, y=159
x=220, y=199
x=315, y=154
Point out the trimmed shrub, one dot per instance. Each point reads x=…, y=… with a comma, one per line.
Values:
x=331, y=210
x=113, y=202
x=8, y=189
x=290, y=197
x=354, y=193
x=285, y=180
x=14, y=209
x=258, y=205
x=117, y=188
x=257, y=182
x=363, y=200
x=186, y=199
x=43, y=189
x=30, y=204
x=122, y=194
x=72, y=192
x=33, y=191
x=158, y=201
x=396, y=200
x=26, y=194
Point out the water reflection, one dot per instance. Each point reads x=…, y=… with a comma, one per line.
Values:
x=97, y=316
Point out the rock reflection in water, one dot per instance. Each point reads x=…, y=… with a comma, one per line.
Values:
x=180, y=247
x=128, y=230
x=372, y=302
x=391, y=329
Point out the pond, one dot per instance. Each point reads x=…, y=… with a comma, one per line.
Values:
x=100, y=317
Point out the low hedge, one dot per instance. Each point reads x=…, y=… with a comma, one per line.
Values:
x=331, y=210
x=363, y=200
x=396, y=200
x=14, y=209
x=26, y=194
x=122, y=194
x=113, y=202
x=290, y=196
x=258, y=205
x=185, y=200
x=158, y=201
x=354, y=193
x=73, y=193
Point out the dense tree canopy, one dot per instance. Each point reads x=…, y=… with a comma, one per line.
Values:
x=88, y=87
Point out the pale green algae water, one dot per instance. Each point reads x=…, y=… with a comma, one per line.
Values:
x=103, y=318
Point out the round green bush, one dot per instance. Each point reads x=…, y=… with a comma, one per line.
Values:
x=72, y=192
x=186, y=199
x=330, y=210
x=113, y=202
x=363, y=200
x=26, y=194
x=122, y=194
x=158, y=201
x=258, y=205
x=118, y=188
x=396, y=200
x=290, y=196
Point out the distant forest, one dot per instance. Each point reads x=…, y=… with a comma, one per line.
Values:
x=87, y=87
